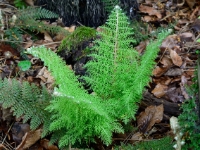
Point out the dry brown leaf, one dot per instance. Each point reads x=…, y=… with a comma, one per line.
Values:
x=137, y=136
x=150, y=10
x=174, y=94
x=174, y=72
x=147, y=18
x=170, y=42
x=166, y=61
x=165, y=80
x=182, y=85
x=160, y=90
x=159, y=71
x=45, y=144
x=176, y=59
x=70, y=29
x=30, y=2
x=47, y=37
x=191, y=3
x=141, y=47
x=151, y=115
x=187, y=37
x=28, y=44
x=29, y=139
x=45, y=77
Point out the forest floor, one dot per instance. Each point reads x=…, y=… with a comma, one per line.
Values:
x=174, y=71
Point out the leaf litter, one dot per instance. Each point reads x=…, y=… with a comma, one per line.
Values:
x=172, y=74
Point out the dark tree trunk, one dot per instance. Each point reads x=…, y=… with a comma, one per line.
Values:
x=87, y=12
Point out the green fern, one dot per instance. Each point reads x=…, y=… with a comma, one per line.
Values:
x=76, y=115
x=110, y=4
x=14, y=36
x=20, y=4
x=118, y=76
x=35, y=13
x=26, y=100
x=117, y=73
x=29, y=18
x=80, y=35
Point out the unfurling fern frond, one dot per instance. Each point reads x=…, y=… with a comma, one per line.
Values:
x=76, y=115
x=26, y=100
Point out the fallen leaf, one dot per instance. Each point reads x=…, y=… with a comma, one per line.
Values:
x=151, y=115
x=137, y=136
x=47, y=37
x=191, y=3
x=28, y=44
x=182, y=85
x=170, y=42
x=29, y=139
x=150, y=10
x=30, y=2
x=174, y=94
x=45, y=144
x=160, y=90
x=174, y=72
x=159, y=71
x=165, y=80
x=187, y=37
x=70, y=29
x=176, y=59
x=19, y=130
x=141, y=47
x=166, y=61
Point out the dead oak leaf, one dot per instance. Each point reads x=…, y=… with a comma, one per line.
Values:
x=151, y=115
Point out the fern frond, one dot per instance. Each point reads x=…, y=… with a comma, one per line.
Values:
x=114, y=61
x=141, y=78
x=117, y=73
x=36, y=25
x=80, y=35
x=80, y=115
x=110, y=4
x=25, y=100
x=29, y=18
x=35, y=13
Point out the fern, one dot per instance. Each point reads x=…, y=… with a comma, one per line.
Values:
x=29, y=18
x=26, y=100
x=35, y=13
x=15, y=35
x=76, y=115
x=117, y=73
x=118, y=76
x=80, y=35
x=110, y=4
x=20, y=4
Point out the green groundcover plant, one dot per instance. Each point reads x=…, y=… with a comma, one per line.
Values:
x=117, y=74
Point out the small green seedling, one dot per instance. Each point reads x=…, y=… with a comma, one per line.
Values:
x=24, y=65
